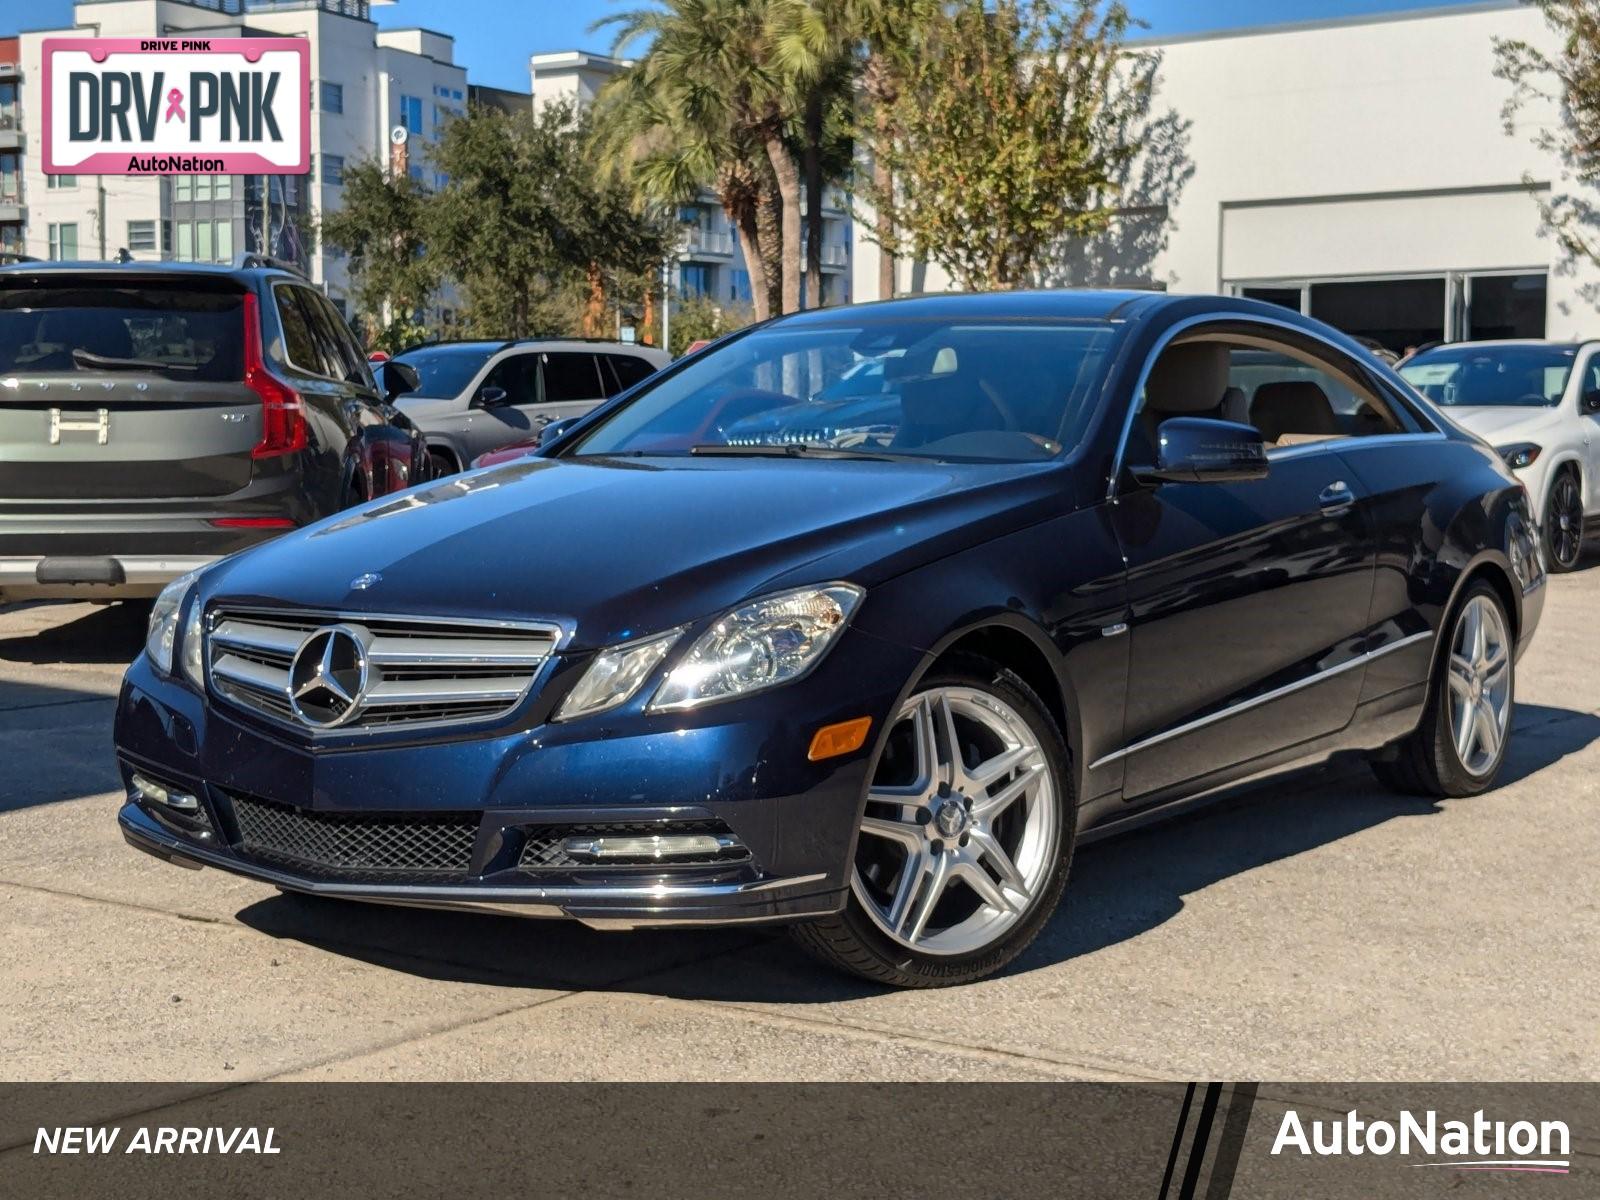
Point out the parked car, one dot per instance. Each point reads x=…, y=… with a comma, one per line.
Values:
x=157, y=416
x=1538, y=403
x=474, y=397
x=878, y=684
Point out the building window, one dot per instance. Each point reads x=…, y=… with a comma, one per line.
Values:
x=202, y=241
x=141, y=235
x=694, y=279
x=57, y=182
x=224, y=241
x=183, y=188
x=185, y=249
x=739, y=289
x=333, y=169
x=411, y=113
x=166, y=237
x=332, y=97
x=10, y=178
x=224, y=187
x=202, y=187
x=11, y=239
x=63, y=243
x=1506, y=306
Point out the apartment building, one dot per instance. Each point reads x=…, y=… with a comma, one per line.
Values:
x=13, y=212
x=367, y=84
x=709, y=260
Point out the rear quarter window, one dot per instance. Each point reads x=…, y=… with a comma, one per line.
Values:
x=185, y=332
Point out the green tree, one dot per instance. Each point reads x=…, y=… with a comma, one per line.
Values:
x=381, y=228
x=1011, y=133
x=709, y=104
x=525, y=214
x=1566, y=82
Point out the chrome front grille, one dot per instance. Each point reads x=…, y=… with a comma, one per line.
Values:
x=416, y=671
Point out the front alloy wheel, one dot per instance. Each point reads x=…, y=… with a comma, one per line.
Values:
x=965, y=839
x=1563, y=523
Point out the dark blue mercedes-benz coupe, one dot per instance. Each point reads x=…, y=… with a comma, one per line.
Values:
x=717, y=656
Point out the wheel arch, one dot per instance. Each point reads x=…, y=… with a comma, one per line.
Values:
x=1487, y=566
x=435, y=442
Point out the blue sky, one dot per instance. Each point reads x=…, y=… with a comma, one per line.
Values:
x=495, y=37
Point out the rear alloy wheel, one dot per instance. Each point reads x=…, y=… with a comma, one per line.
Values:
x=443, y=464
x=1563, y=523
x=1461, y=743
x=965, y=841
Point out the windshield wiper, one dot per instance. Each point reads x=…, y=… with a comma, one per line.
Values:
x=104, y=362
x=787, y=450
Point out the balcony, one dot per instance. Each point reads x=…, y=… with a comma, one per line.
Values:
x=835, y=255
x=13, y=211
x=10, y=72
x=707, y=243
x=11, y=137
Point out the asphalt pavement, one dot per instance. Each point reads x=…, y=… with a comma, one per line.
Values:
x=1314, y=928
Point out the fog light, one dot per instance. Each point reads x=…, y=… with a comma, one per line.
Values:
x=662, y=846
x=156, y=794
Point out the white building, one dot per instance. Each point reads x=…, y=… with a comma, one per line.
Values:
x=1357, y=170
x=366, y=83
x=710, y=258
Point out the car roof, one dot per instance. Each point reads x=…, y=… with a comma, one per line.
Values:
x=579, y=344
x=1060, y=304
x=149, y=270
x=1506, y=344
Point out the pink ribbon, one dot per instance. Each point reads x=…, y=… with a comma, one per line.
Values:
x=175, y=106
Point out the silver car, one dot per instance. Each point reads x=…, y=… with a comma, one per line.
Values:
x=475, y=397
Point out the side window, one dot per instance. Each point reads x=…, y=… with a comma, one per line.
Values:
x=355, y=367
x=630, y=369
x=518, y=376
x=300, y=344
x=1293, y=398
x=570, y=377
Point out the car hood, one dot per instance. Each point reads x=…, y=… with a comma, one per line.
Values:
x=1502, y=424
x=619, y=548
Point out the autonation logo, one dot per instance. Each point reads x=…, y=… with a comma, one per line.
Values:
x=1480, y=1144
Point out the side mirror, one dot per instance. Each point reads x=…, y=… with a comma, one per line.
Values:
x=554, y=430
x=489, y=396
x=398, y=379
x=1591, y=402
x=1203, y=450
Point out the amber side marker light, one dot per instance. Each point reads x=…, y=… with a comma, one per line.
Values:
x=843, y=738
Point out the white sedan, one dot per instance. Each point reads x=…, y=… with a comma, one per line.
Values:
x=1538, y=404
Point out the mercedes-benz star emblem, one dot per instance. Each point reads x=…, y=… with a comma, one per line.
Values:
x=328, y=677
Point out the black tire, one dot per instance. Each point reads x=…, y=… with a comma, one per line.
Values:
x=1426, y=763
x=443, y=464
x=852, y=942
x=1563, y=522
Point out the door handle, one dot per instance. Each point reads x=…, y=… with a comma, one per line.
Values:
x=1336, y=497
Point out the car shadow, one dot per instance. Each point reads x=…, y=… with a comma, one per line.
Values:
x=1121, y=888
x=109, y=635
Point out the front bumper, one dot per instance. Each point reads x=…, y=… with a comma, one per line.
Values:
x=660, y=902
x=742, y=767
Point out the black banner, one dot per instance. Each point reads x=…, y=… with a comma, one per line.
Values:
x=1164, y=1141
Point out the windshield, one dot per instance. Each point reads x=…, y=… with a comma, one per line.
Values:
x=1500, y=376
x=445, y=370
x=989, y=391
x=66, y=329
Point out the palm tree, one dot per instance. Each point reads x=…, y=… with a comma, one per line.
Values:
x=707, y=106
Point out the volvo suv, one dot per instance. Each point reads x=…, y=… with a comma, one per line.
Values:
x=155, y=417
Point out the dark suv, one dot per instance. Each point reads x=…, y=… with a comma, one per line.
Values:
x=155, y=417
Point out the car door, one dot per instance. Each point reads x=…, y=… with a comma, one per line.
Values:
x=572, y=385
x=1248, y=601
x=1589, y=422
x=503, y=405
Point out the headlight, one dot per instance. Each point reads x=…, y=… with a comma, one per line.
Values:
x=760, y=645
x=162, y=639
x=616, y=675
x=1522, y=454
x=191, y=647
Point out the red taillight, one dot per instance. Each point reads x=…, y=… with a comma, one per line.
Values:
x=283, y=413
x=251, y=522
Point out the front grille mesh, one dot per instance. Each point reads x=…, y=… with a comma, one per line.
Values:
x=431, y=845
x=420, y=672
x=543, y=849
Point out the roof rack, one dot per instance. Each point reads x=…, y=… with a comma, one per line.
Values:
x=252, y=260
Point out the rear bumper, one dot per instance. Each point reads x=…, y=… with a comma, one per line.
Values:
x=93, y=577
